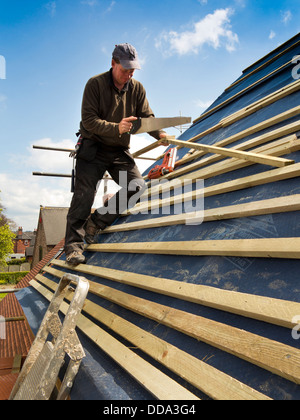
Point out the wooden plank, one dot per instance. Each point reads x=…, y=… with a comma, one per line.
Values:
x=288, y=248
x=250, y=109
x=156, y=382
x=12, y=290
x=17, y=364
x=13, y=319
x=280, y=147
x=255, y=208
x=274, y=311
x=249, y=156
x=274, y=175
x=271, y=355
x=258, y=127
x=209, y=380
x=147, y=148
x=251, y=130
x=181, y=166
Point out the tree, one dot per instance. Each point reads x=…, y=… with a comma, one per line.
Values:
x=6, y=238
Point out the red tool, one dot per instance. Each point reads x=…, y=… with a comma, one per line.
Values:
x=166, y=167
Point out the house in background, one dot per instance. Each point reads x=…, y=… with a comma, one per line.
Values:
x=22, y=241
x=50, y=231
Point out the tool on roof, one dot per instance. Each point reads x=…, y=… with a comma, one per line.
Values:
x=166, y=167
x=40, y=372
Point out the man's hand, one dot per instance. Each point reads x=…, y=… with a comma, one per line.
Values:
x=162, y=137
x=126, y=125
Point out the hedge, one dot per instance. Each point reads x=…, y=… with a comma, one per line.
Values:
x=16, y=261
x=12, y=278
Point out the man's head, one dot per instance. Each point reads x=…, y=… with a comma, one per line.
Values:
x=124, y=63
x=126, y=55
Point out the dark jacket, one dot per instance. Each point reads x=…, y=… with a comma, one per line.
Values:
x=103, y=108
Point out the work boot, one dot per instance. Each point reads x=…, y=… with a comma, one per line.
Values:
x=75, y=258
x=91, y=230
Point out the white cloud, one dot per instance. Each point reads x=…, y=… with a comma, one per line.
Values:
x=272, y=35
x=213, y=30
x=51, y=7
x=203, y=104
x=22, y=193
x=110, y=7
x=90, y=2
x=286, y=16
x=22, y=196
x=49, y=161
x=240, y=3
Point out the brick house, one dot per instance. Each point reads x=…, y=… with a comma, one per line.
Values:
x=22, y=241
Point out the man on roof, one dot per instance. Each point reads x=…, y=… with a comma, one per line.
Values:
x=111, y=102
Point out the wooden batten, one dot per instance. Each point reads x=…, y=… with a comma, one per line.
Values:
x=249, y=156
x=268, y=354
x=209, y=380
x=288, y=248
x=210, y=167
x=274, y=311
x=156, y=382
x=271, y=206
x=288, y=172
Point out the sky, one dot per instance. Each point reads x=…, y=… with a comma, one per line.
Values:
x=190, y=51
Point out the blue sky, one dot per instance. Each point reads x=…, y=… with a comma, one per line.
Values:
x=190, y=50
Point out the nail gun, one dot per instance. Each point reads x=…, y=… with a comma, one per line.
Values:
x=166, y=167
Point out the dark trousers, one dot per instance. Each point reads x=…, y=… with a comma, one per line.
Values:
x=123, y=170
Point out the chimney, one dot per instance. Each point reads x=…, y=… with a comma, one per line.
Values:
x=20, y=231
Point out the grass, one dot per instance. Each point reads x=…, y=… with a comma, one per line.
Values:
x=8, y=279
x=2, y=296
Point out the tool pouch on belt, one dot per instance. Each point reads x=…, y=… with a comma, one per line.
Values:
x=86, y=149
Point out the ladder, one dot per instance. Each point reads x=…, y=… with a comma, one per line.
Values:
x=54, y=344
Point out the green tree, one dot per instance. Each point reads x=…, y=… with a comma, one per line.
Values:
x=6, y=238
